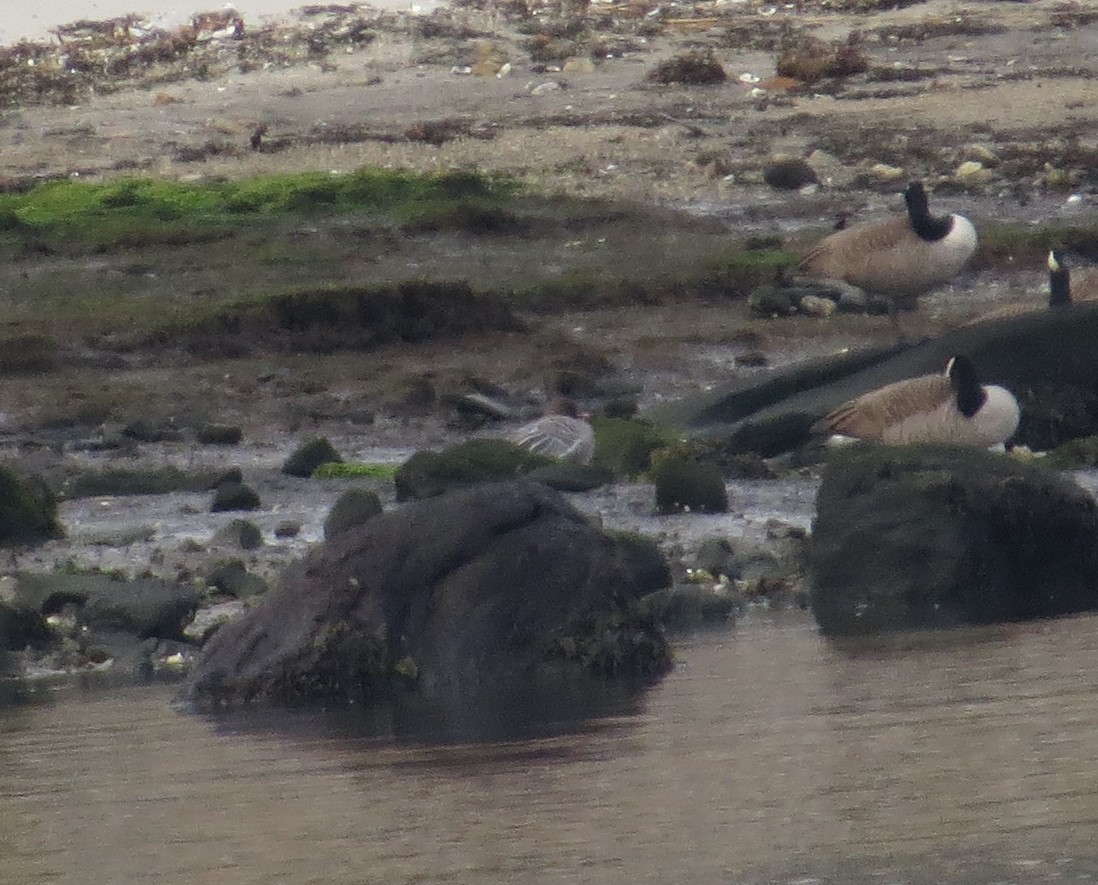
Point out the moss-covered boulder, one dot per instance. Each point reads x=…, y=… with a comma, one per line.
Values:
x=937, y=536
x=309, y=456
x=501, y=583
x=351, y=509
x=28, y=510
x=685, y=484
x=475, y=461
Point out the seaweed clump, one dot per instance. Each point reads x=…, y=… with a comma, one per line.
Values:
x=692, y=68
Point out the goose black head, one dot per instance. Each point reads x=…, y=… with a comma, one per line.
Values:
x=1059, y=281
x=967, y=390
x=923, y=223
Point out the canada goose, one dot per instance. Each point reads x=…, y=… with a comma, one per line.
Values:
x=951, y=407
x=562, y=432
x=1059, y=295
x=899, y=257
x=1067, y=287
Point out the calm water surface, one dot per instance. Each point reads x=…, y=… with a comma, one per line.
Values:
x=768, y=755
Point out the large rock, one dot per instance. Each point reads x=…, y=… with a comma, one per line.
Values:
x=938, y=536
x=500, y=581
x=1047, y=358
x=493, y=582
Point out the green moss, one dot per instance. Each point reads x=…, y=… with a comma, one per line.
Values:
x=342, y=469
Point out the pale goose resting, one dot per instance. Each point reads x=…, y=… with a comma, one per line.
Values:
x=562, y=432
x=951, y=408
x=899, y=257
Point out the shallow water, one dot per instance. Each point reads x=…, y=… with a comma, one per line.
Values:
x=768, y=755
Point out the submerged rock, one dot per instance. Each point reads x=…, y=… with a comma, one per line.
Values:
x=938, y=536
x=502, y=581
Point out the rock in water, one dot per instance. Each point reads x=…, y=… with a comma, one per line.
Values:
x=500, y=581
x=912, y=537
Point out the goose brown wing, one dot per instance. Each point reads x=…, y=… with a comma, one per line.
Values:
x=844, y=252
x=869, y=416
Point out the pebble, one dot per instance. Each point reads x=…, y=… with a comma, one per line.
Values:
x=884, y=172
x=815, y=306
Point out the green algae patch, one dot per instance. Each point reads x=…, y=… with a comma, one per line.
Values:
x=137, y=211
x=351, y=469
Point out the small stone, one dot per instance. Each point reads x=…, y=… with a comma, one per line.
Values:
x=981, y=153
x=884, y=172
x=853, y=301
x=546, y=88
x=973, y=172
x=815, y=306
x=829, y=171
x=579, y=64
x=288, y=529
x=789, y=174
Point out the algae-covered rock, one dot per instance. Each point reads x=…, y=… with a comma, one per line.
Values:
x=625, y=446
x=684, y=484
x=504, y=581
x=234, y=496
x=308, y=457
x=351, y=509
x=240, y=534
x=231, y=577
x=472, y=462
x=938, y=536
x=219, y=434
x=28, y=510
